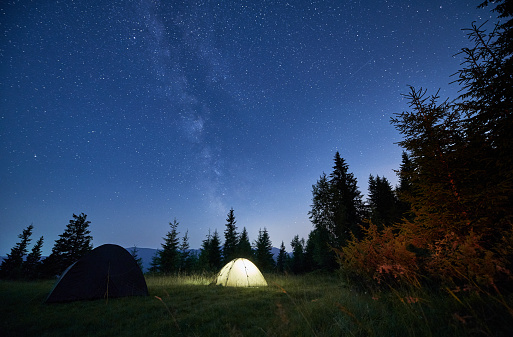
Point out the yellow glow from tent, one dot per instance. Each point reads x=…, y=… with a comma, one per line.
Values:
x=240, y=273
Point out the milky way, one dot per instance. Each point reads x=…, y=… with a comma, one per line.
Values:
x=137, y=112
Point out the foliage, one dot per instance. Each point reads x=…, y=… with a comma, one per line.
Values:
x=383, y=203
x=336, y=213
x=74, y=243
x=457, y=179
x=136, y=257
x=282, y=259
x=244, y=246
x=12, y=266
x=210, y=258
x=230, y=238
x=297, y=261
x=169, y=255
x=185, y=258
x=405, y=189
x=263, y=251
x=32, y=264
x=380, y=257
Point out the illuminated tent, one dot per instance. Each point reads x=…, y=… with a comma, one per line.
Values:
x=240, y=273
x=107, y=271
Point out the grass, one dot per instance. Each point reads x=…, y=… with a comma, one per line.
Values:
x=310, y=305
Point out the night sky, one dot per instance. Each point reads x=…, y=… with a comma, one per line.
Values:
x=139, y=112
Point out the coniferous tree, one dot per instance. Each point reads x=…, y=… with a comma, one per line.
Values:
x=281, y=260
x=263, y=251
x=155, y=262
x=204, y=258
x=12, y=266
x=336, y=213
x=210, y=258
x=169, y=255
x=404, y=191
x=318, y=253
x=382, y=202
x=461, y=153
x=244, y=246
x=32, y=264
x=346, y=202
x=215, y=256
x=136, y=257
x=74, y=243
x=185, y=254
x=297, y=260
x=230, y=238
x=336, y=204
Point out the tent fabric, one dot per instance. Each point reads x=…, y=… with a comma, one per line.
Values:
x=240, y=273
x=108, y=271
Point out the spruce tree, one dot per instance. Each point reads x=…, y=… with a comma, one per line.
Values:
x=281, y=261
x=12, y=266
x=230, y=238
x=169, y=255
x=244, y=246
x=74, y=243
x=263, y=251
x=155, y=262
x=337, y=205
x=214, y=254
x=383, y=203
x=210, y=257
x=404, y=192
x=185, y=254
x=204, y=256
x=32, y=264
x=297, y=259
x=461, y=153
x=346, y=202
x=136, y=257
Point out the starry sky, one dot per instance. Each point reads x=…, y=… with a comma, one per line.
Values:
x=139, y=112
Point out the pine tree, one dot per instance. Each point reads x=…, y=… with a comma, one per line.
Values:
x=297, y=260
x=136, y=257
x=244, y=246
x=263, y=251
x=210, y=258
x=169, y=255
x=336, y=204
x=404, y=192
x=74, y=243
x=383, y=203
x=318, y=253
x=346, y=203
x=281, y=261
x=32, y=264
x=184, y=253
x=204, y=256
x=461, y=153
x=230, y=238
x=214, y=254
x=155, y=263
x=12, y=266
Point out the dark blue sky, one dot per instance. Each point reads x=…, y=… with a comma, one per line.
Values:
x=139, y=112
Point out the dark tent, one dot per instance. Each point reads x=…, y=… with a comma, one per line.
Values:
x=107, y=271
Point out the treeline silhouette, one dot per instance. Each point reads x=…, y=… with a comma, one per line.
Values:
x=449, y=222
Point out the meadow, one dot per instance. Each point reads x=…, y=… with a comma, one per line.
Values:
x=308, y=305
